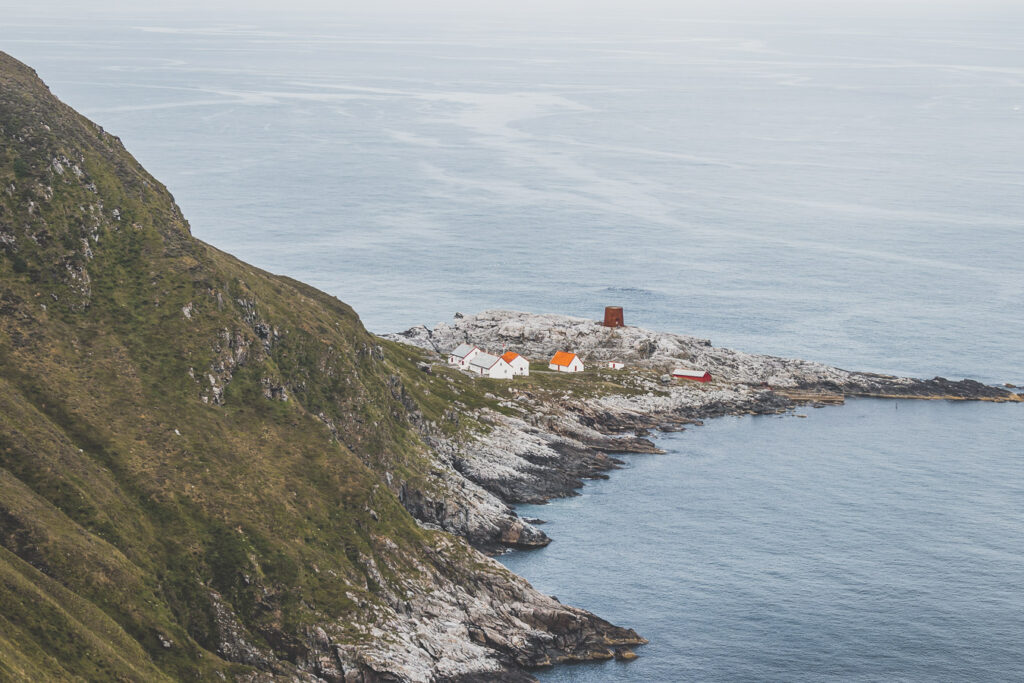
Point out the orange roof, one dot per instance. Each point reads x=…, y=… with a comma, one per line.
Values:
x=509, y=356
x=563, y=358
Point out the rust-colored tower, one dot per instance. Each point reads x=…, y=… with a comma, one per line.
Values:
x=613, y=316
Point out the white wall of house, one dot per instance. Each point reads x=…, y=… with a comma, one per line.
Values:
x=575, y=366
x=463, y=361
x=520, y=366
x=500, y=370
x=487, y=365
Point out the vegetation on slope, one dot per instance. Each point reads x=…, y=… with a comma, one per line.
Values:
x=199, y=461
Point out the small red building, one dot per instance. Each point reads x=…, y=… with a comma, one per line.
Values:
x=694, y=375
x=613, y=316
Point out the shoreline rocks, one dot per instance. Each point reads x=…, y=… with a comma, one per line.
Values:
x=559, y=439
x=557, y=442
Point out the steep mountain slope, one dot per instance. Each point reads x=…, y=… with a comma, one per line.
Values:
x=207, y=469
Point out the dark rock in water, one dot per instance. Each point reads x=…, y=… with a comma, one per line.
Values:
x=624, y=654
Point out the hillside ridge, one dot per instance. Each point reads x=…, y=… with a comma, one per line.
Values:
x=208, y=470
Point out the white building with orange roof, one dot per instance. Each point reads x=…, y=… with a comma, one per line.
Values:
x=563, y=361
x=520, y=365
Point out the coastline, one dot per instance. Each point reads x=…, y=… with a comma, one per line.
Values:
x=751, y=522
x=254, y=464
x=546, y=434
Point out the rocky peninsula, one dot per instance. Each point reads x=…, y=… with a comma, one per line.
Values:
x=549, y=432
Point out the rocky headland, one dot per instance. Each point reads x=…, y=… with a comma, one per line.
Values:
x=549, y=432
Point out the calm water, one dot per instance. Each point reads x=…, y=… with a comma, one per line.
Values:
x=847, y=190
x=870, y=542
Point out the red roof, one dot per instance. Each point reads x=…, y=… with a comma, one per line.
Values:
x=686, y=373
x=509, y=356
x=563, y=359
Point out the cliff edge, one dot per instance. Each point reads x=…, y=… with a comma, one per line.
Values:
x=210, y=471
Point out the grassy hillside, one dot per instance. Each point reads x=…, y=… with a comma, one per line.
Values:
x=198, y=459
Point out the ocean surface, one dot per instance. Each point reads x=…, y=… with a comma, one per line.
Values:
x=844, y=189
x=878, y=541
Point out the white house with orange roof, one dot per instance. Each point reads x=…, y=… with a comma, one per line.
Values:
x=520, y=365
x=462, y=354
x=563, y=361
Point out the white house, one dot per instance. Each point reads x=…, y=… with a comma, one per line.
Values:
x=463, y=354
x=563, y=361
x=615, y=365
x=490, y=366
x=520, y=366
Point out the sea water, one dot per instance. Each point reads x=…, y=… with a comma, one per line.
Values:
x=881, y=540
x=849, y=190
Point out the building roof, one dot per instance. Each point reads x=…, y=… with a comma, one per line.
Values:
x=687, y=372
x=462, y=350
x=484, y=360
x=510, y=356
x=563, y=358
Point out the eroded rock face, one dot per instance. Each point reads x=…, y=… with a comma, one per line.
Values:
x=487, y=624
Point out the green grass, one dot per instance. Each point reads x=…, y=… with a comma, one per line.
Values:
x=125, y=499
x=134, y=498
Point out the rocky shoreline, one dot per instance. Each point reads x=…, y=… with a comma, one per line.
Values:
x=548, y=442
x=542, y=437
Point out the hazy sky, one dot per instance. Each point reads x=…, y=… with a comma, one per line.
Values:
x=732, y=9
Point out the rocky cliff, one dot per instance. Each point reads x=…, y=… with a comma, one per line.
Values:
x=210, y=471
